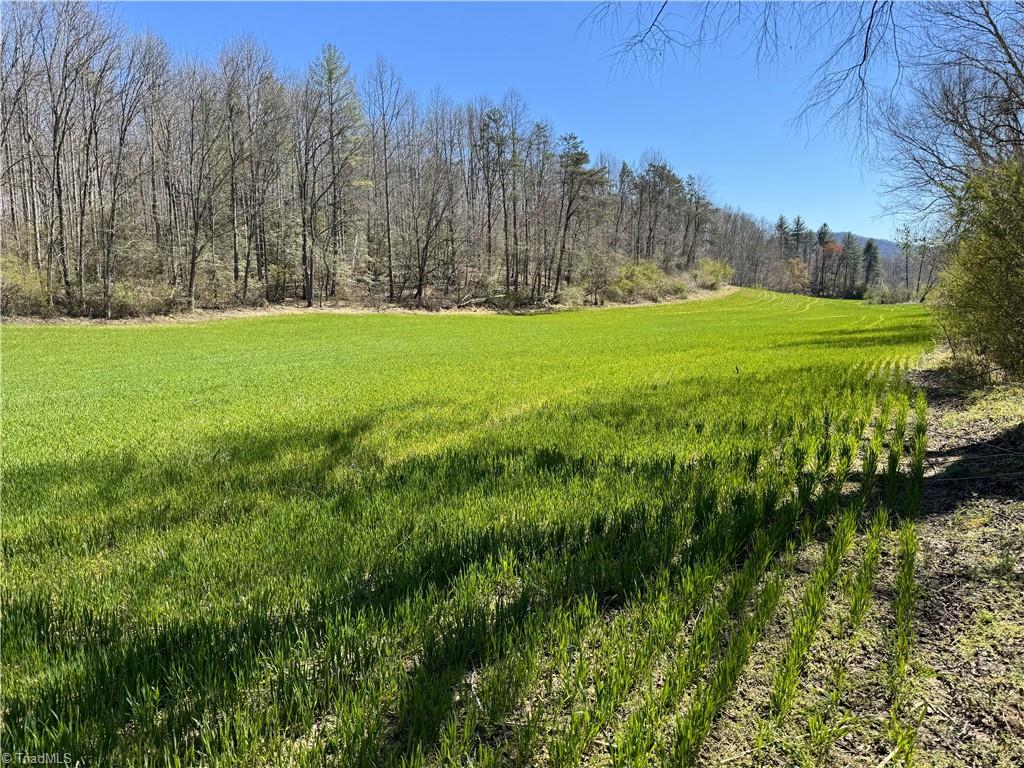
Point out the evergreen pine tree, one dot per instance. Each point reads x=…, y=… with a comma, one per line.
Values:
x=870, y=263
x=799, y=234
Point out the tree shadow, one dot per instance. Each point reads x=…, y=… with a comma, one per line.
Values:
x=134, y=493
x=947, y=386
x=204, y=664
x=985, y=468
x=857, y=338
x=968, y=461
x=201, y=667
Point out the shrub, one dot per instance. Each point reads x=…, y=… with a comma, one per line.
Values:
x=596, y=272
x=711, y=273
x=140, y=299
x=795, y=277
x=22, y=290
x=887, y=294
x=572, y=296
x=483, y=286
x=981, y=295
x=644, y=282
x=255, y=296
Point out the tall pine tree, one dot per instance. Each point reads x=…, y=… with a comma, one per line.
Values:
x=870, y=263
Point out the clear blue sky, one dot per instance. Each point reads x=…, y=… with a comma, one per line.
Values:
x=721, y=118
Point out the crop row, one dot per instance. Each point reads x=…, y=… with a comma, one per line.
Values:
x=809, y=615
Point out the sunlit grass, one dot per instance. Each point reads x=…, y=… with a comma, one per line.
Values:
x=368, y=539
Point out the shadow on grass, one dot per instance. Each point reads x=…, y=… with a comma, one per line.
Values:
x=128, y=686
x=905, y=335
x=115, y=684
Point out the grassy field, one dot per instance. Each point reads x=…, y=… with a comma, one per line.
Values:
x=446, y=539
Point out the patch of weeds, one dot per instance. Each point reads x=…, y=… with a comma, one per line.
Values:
x=989, y=630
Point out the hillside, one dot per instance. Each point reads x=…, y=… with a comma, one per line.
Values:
x=887, y=249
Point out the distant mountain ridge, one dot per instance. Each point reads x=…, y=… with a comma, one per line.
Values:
x=887, y=249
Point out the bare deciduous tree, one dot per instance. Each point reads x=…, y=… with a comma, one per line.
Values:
x=132, y=182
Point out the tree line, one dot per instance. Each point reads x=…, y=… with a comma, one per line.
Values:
x=135, y=182
x=934, y=93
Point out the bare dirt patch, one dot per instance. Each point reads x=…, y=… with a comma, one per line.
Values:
x=971, y=573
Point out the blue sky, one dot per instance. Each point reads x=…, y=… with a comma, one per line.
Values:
x=720, y=117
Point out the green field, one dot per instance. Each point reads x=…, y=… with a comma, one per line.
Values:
x=454, y=539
